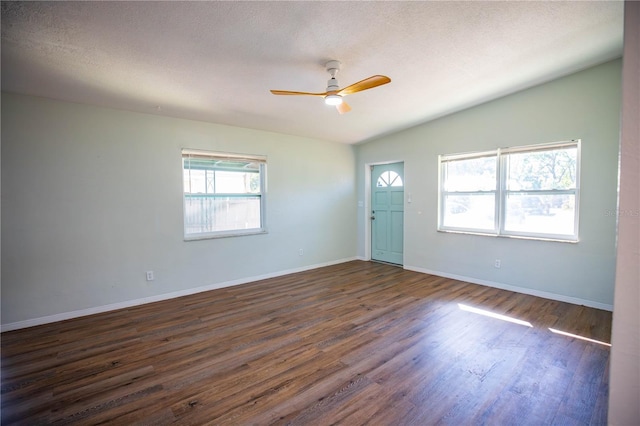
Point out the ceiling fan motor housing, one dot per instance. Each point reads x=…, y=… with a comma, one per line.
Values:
x=332, y=68
x=332, y=85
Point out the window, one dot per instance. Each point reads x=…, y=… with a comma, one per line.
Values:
x=529, y=192
x=224, y=194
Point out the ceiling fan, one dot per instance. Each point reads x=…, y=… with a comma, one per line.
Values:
x=334, y=95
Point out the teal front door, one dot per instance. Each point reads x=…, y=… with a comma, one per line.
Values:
x=387, y=212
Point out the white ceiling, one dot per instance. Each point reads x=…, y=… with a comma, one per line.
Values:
x=216, y=61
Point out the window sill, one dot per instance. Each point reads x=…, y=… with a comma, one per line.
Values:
x=517, y=237
x=224, y=234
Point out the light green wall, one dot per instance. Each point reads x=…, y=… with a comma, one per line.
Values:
x=91, y=199
x=585, y=106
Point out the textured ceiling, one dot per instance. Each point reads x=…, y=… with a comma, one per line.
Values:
x=216, y=61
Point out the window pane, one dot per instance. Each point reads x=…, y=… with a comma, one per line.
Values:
x=474, y=174
x=540, y=214
x=195, y=181
x=470, y=211
x=549, y=169
x=213, y=214
x=237, y=183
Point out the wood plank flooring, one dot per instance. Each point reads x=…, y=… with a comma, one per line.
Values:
x=355, y=343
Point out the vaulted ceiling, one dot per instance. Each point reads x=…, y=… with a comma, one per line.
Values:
x=217, y=61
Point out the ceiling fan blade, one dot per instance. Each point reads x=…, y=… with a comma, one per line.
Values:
x=367, y=83
x=288, y=92
x=343, y=108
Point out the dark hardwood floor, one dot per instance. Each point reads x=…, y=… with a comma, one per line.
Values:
x=355, y=343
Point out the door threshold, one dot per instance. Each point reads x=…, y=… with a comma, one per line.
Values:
x=387, y=263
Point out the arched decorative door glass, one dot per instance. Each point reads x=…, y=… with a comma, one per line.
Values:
x=389, y=178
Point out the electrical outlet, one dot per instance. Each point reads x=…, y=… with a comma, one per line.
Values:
x=498, y=263
x=150, y=276
x=301, y=252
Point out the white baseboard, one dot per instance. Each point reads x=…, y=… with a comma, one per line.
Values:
x=538, y=293
x=130, y=303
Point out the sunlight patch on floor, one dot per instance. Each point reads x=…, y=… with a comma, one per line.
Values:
x=564, y=333
x=490, y=314
x=493, y=315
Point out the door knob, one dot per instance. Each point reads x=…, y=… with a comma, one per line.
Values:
x=373, y=218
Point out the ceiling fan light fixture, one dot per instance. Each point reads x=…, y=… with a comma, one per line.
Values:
x=333, y=99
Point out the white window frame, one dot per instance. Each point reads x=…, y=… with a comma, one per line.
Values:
x=262, y=195
x=501, y=192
